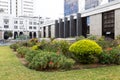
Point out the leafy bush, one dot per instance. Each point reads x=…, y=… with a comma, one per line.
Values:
x=107, y=43
x=85, y=46
x=14, y=46
x=61, y=45
x=85, y=50
x=92, y=37
x=27, y=44
x=35, y=47
x=80, y=38
x=34, y=41
x=55, y=46
x=50, y=60
x=22, y=51
x=103, y=43
x=30, y=54
x=43, y=44
x=110, y=56
x=105, y=58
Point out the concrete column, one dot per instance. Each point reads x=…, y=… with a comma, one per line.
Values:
x=42, y=32
x=66, y=28
x=61, y=28
x=52, y=31
x=79, y=25
x=13, y=34
x=96, y=24
x=56, y=29
x=37, y=34
x=1, y=35
x=72, y=26
x=117, y=22
x=47, y=32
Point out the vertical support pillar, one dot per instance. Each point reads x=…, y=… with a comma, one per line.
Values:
x=61, y=28
x=66, y=28
x=79, y=25
x=56, y=29
x=72, y=26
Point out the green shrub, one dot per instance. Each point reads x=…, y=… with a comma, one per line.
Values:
x=35, y=47
x=61, y=45
x=27, y=44
x=14, y=46
x=110, y=56
x=117, y=58
x=92, y=37
x=50, y=60
x=34, y=41
x=85, y=46
x=105, y=58
x=80, y=38
x=107, y=43
x=55, y=46
x=30, y=54
x=22, y=51
x=43, y=44
x=85, y=50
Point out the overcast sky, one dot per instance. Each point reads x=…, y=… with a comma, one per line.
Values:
x=49, y=8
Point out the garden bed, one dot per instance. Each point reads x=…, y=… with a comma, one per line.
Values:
x=62, y=55
x=75, y=67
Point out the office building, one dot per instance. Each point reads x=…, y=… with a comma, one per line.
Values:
x=24, y=7
x=5, y=6
x=101, y=20
x=17, y=7
x=29, y=26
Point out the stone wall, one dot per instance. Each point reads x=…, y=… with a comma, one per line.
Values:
x=96, y=24
x=117, y=22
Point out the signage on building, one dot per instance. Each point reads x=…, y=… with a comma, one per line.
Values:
x=70, y=7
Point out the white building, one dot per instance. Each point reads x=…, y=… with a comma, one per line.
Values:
x=48, y=28
x=24, y=8
x=17, y=16
x=17, y=7
x=5, y=6
x=29, y=26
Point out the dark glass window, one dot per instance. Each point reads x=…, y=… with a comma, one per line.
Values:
x=111, y=0
x=108, y=24
x=6, y=26
x=91, y=3
x=30, y=27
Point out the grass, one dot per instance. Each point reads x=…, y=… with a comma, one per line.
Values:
x=12, y=69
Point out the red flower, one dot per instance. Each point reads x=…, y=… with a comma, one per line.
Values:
x=109, y=49
x=51, y=63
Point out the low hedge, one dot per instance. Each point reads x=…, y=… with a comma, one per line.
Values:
x=50, y=60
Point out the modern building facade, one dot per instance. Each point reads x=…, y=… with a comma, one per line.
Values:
x=102, y=20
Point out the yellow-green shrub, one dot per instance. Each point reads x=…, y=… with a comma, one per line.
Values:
x=35, y=47
x=85, y=46
x=85, y=50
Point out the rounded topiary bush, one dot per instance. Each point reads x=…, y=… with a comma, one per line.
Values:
x=85, y=50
